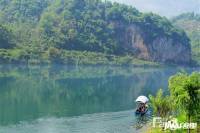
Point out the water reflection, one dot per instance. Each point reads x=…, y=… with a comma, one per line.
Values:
x=30, y=93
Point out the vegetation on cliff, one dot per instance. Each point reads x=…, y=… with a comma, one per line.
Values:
x=190, y=22
x=37, y=27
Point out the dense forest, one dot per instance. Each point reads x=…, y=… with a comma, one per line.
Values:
x=74, y=31
x=190, y=22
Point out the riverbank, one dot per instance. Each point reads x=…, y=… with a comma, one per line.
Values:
x=179, y=110
x=58, y=56
x=66, y=57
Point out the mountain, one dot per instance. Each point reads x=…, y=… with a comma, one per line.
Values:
x=72, y=30
x=190, y=22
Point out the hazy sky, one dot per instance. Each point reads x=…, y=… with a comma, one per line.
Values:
x=167, y=8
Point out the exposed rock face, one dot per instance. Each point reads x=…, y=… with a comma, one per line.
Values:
x=161, y=49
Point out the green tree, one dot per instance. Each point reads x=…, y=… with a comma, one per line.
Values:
x=185, y=90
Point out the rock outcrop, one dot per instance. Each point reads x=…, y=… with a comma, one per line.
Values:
x=164, y=49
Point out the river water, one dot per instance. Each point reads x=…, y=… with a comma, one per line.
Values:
x=76, y=99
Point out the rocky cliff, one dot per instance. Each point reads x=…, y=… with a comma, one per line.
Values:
x=190, y=23
x=93, y=26
x=162, y=48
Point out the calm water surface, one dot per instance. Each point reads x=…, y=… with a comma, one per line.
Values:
x=68, y=99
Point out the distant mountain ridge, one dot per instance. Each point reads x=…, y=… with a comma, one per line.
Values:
x=190, y=22
x=44, y=28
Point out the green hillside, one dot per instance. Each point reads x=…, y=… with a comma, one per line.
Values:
x=190, y=22
x=40, y=30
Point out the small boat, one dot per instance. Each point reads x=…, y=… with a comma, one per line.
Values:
x=142, y=106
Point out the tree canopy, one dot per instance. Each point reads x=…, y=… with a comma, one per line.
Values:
x=86, y=25
x=185, y=90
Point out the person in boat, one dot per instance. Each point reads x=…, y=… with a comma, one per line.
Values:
x=143, y=108
x=142, y=105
